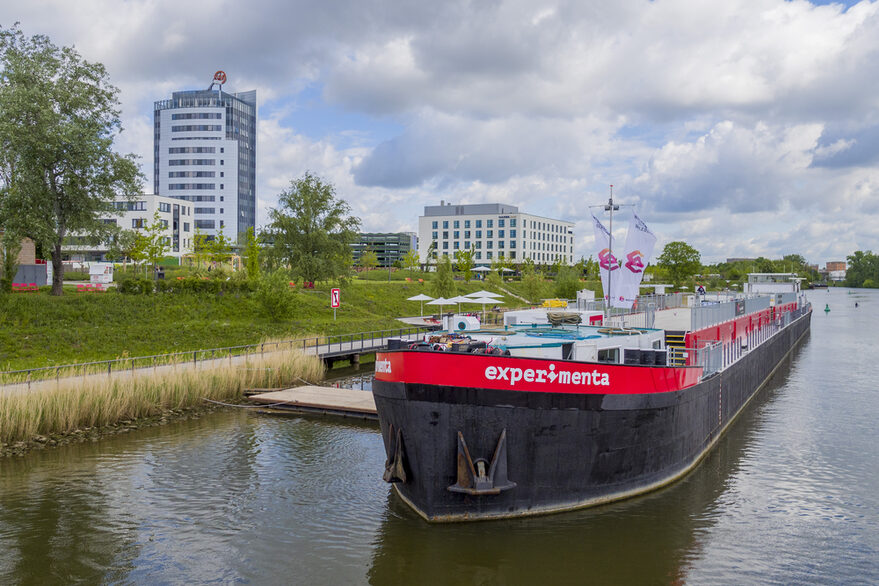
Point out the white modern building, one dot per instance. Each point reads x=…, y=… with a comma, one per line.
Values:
x=492, y=230
x=176, y=217
x=205, y=154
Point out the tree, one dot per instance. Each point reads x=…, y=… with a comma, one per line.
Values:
x=58, y=171
x=464, y=261
x=411, y=260
x=680, y=260
x=312, y=229
x=123, y=246
x=201, y=248
x=220, y=248
x=862, y=267
x=153, y=241
x=531, y=283
x=368, y=260
x=567, y=283
x=251, y=253
x=444, y=282
x=500, y=263
x=10, y=246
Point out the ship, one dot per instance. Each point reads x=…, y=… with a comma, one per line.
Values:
x=557, y=411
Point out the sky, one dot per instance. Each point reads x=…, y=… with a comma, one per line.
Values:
x=743, y=127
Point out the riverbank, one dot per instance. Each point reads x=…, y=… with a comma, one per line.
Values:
x=76, y=406
x=38, y=330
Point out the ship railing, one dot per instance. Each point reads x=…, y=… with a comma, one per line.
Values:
x=709, y=356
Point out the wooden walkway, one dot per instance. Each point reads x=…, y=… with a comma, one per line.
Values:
x=326, y=400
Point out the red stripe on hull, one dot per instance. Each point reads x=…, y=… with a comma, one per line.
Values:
x=530, y=375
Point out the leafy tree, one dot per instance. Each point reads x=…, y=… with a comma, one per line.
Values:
x=411, y=260
x=57, y=165
x=567, y=283
x=251, y=251
x=494, y=281
x=10, y=247
x=500, y=263
x=123, y=246
x=531, y=283
x=443, y=284
x=220, y=248
x=368, y=260
x=862, y=267
x=464, y=261
x=680, y=260
x=201, y=248
x=312, y=229
x=153, y=241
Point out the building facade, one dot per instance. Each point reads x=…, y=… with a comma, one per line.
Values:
x=389, y=247
x=205, y=153
x=492, y=230
x=176, y=216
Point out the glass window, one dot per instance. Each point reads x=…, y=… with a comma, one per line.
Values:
x=466, y=223
x=489, y=233
x=512, y=244
x=609, y=355
x=500, y=244
x=433, y=235
x=478, y=244
x=467, y=244
x=466, y=233
x=445, y=245
x=489, y=244
x=445, y=224
x=434, y=225
x=479, y=223
x=500, y=223
x=479, y=233
x=457, y=224
x=457, y=245
x=500, y=233
x=513, y=254
x=489, y=223
x=512, y=222
x=478, y=255
x=488, y=254
x=512, y=233
x=445, y=234
x=457, y=234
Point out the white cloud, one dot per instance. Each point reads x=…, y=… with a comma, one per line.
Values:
x=746, y=126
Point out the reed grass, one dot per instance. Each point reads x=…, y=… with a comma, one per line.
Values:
x=77, y=403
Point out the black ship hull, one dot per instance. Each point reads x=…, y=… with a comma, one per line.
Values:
x=544, y=452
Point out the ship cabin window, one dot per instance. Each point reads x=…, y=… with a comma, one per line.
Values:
x=657, y=344
x=610, y=355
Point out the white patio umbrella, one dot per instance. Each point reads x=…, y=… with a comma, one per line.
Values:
x=439, y=301
x=483, y=293
x=480, y=269
x=459, y=300
x=485, y=300
x=422, y=298
x=506, y=270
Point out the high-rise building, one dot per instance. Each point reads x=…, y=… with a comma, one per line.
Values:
x=388, y=247
x=205, y=153
x=492, y=230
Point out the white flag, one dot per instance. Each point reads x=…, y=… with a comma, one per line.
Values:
x=607, y=263
x=639, y=247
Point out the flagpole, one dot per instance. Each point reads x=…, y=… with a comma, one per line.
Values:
x=609, y=207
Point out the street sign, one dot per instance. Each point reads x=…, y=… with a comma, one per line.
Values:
x=334, y=298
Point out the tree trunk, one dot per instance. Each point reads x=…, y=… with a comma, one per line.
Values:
x=57, y=271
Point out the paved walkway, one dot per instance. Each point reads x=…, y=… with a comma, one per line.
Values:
x=366, y=344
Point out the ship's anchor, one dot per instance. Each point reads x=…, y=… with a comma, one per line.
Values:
x=473, y=478
x=395, y=468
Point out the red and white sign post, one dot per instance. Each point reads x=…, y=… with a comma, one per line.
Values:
x=335, y=300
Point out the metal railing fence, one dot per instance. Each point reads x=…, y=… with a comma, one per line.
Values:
x=319, y=345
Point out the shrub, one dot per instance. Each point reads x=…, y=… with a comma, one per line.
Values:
x=136, y=286
x=274, y=296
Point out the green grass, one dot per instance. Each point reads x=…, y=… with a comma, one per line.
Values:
x=40, y=330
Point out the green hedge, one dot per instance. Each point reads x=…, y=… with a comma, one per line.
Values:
x=142, y=286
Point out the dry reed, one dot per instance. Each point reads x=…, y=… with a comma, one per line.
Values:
x=76, y=403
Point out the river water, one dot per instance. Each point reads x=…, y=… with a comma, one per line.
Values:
x=789, y=495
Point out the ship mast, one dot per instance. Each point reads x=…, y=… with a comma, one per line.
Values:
x=610, y=207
